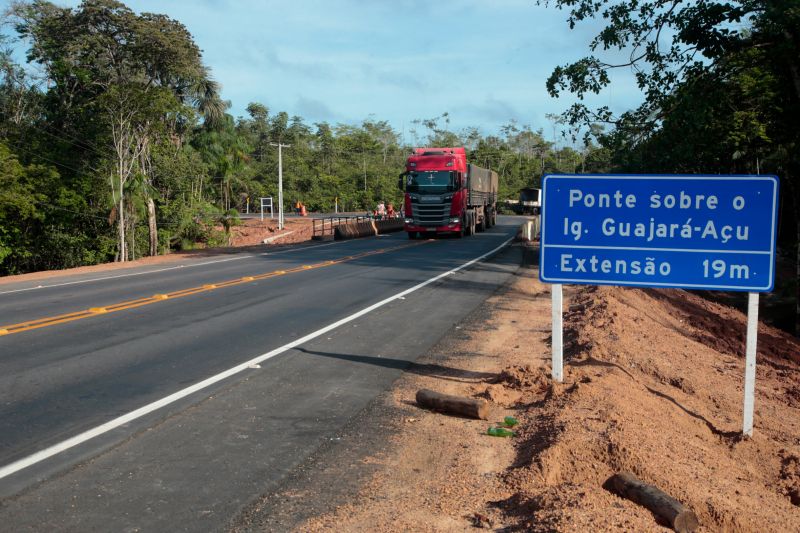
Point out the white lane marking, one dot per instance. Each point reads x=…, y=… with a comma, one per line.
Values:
x=166, y=269
x=39, y=456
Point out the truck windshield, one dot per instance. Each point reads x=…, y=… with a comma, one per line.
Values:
x=431, y=181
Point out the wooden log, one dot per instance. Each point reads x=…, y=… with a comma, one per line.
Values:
x=666, y=508
x=453, y=405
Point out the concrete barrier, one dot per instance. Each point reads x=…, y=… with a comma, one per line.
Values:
x=389, y=226
x=528, y=236
x=355, y=231
x=529, y=231
x=530, y=254
x=366, y=229
x=342, y=232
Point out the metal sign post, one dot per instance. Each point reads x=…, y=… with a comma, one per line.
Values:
x=558, y=333
x=280, y=146
x=266, y=201
x=750, y=363
x=690, y=232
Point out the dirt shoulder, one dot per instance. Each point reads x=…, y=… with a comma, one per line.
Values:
x=653, y=386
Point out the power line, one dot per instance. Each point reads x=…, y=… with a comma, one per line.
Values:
x=82, y=213
x=142, y=224
x=66, y=139
x=52, y=162
x=75, y=139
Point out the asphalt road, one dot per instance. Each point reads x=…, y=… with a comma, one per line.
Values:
x=170, y=397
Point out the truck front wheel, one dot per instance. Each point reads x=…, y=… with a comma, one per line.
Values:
x=464, y=229
x=412, y=235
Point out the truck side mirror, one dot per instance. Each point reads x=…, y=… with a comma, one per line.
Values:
x=401, y=181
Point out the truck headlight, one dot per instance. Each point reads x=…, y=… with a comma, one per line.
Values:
x=455, y=220
x=408, y=220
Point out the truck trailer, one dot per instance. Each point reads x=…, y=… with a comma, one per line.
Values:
x=445, y=194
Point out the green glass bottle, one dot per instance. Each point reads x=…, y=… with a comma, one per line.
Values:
x=510, y=421
x=500, y=432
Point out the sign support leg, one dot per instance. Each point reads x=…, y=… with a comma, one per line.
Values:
x=750, y=363
x=558, y=330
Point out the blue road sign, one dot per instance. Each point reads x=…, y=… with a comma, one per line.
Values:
x=693, y=232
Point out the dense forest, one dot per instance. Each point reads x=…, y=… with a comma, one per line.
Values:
x=116, y=143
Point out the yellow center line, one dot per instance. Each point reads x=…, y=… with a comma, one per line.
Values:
x=128, y=303
x=139, y=302
x=40, y=320
x=184, y=292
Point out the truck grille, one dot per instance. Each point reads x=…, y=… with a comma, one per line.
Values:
x=431, y=214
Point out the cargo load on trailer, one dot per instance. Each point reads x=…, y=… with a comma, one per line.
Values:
x=445, y=194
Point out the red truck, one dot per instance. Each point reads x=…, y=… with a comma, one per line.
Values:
x=445, y=194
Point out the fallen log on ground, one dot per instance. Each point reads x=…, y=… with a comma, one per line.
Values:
x=453, y=405
x=672, y=512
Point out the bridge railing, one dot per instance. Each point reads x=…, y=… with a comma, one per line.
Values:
x=323, y=227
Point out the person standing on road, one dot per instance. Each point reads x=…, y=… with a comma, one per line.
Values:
x=380, y=211
x=390, y=212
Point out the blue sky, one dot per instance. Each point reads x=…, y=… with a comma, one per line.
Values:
x=485, y=62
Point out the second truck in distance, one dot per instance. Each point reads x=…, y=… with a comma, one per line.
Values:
x=445, y=194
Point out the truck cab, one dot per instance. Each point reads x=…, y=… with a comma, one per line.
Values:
x=434, y=185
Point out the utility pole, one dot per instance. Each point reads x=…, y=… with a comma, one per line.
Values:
x=364, y=159
x=280, y=181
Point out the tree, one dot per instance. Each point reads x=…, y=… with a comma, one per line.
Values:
x=134, y=75
x=437, y=135
x=225, y=152
x=19, y=207
x=19, y=98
